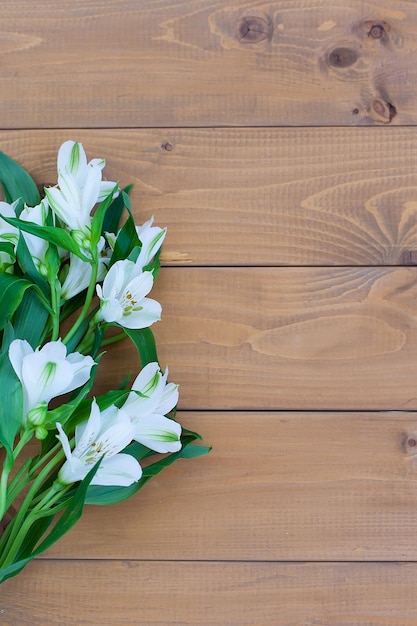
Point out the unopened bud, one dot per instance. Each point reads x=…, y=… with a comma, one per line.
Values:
x=41, y=433
x=37, y=416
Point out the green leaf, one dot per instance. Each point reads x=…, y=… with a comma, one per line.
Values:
x=14, y=569
x=11, y=396
x=28, y=267
x=126, y=241
x=57, y=236
x=8, y=248
x=16, y=182
x=144, y=341
x=192, y=451
x=36, y=531
x=104, y=496
x=12, y=289
x=155, y=265
x=114, y=214
x=30, y=319
x=98, y=219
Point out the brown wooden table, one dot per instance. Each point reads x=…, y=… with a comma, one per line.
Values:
x=278, y=143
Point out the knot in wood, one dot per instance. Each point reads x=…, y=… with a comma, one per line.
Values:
x=253, y=29
x=343, y=57
x=377, y=31
x=409, y=443
x=167, y=146
x=384, y=111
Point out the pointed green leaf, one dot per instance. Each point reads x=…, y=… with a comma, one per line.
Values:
x=30, y=319
x=103, y=496
x=16, y=182
x=11, y=396
x=144, y=341
x=127, y=239
x=113, y=216
x=8, y=248
x=98, y=219
x=28, y=267
x=57, y=236
x=12, y=289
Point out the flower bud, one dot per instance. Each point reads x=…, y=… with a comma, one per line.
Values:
x=41, y=433
x=37, y=416
x=81, y=239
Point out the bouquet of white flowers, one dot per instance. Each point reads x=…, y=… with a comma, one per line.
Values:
x=72, y=261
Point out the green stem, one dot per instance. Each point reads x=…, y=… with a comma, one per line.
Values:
x=7, y=468
x=85, y=345
x=54, y=493
x=19, y=482
x=19, y=518
x=88, y=299
x=24, y=439
x=113, y=339
x=15, y=488
x=45, y=457
x=55, y=301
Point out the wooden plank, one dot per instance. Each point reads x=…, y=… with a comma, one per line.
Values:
x=258, y=196
x=283, y=338
x=276, y=486
x=193, y=63
x=130, y=593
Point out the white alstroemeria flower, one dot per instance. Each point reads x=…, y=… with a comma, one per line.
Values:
x=79, y=187
x=151, y=238
x=123, y=298
x=47, y=372
x=147, y=410
x=102, y=436
x=8, y=234
x=79, y=272
x=36, y=245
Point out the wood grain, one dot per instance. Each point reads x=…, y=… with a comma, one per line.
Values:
x=188, y=63
x=265, y=594
x=276, y=486
x=258, y=196
x=284, y=338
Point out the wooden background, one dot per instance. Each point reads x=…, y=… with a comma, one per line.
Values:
x=278, y=143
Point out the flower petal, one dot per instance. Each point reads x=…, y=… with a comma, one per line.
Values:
x=139, y=286
x=72, y=159
x=158, y=433
x=169, y=399
x=120, y=470
x=150, y=385
x=91, y=190
x=149, y=312
x=87, y=432
x=18, y=349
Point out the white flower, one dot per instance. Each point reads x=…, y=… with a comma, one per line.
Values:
x=147, y=410
x=151, y=238
x=36, y=245
x=79, y=272
x=102, y=436
x=79, y=187
x=123, y=298
x=47, y=372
